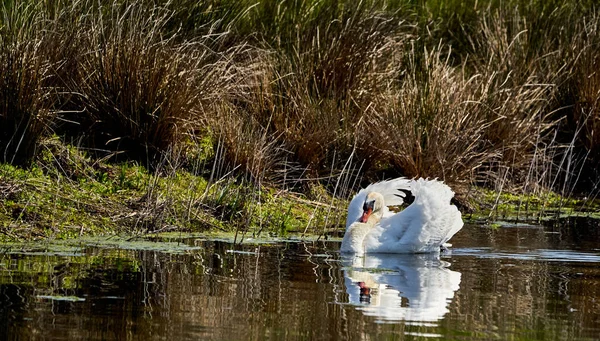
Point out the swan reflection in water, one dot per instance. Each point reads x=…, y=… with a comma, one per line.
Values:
x=416, y=287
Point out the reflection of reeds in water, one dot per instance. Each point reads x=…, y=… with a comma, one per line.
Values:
x=224, y=291
x=519, y=295
x=524, y=294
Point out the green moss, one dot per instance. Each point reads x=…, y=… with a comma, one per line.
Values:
x=65, y=195
x=490, y=205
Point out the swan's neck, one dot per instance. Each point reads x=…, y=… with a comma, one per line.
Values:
x=354, y=237
x=374, y=218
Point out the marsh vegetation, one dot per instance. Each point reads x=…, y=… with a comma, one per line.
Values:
x=265, y=116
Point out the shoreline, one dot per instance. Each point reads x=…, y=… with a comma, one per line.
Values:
x=66, y=194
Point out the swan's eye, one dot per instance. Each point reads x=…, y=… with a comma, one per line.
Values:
x=368, y=205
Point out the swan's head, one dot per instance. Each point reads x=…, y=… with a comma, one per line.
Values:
x=372, y=208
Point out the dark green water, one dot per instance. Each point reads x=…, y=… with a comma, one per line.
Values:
x=511, y=283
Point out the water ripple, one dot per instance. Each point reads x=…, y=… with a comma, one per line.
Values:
x=536, y=254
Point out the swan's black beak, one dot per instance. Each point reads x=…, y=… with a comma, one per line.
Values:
x=367, y=211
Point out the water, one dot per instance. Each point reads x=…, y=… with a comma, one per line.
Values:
x=514, y=282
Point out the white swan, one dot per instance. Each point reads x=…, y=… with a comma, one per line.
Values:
x=424, y=226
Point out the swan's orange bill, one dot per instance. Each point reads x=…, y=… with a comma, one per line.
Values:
x=365, y=215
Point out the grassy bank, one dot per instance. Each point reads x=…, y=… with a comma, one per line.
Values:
x=65, y=193
x=165, y=114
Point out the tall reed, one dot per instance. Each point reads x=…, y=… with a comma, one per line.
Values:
x=26, y=100
x=136, y=87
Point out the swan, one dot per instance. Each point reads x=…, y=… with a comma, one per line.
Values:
x=424, y=226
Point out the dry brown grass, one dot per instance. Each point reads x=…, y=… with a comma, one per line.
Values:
x=136, y=87
x=289, y=91
x=26, y=103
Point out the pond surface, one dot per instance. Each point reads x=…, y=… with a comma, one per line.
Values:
x=515, y=282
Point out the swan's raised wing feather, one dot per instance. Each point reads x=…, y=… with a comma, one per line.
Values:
x=392, y=196
x=426, y=224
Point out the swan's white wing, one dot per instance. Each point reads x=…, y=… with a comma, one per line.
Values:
x=392, y=196
x=423, y=226
x=398, y=233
